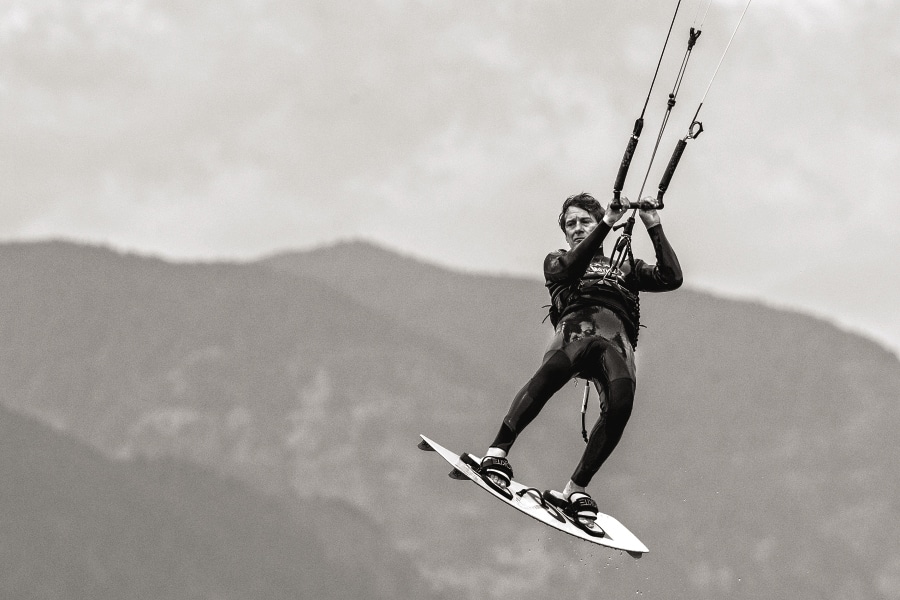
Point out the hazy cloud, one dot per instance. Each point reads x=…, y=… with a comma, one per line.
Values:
x=454, y=130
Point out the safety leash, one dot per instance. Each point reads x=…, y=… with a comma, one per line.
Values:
x=584, y=403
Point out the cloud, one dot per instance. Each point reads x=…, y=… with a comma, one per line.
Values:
x=236, y=128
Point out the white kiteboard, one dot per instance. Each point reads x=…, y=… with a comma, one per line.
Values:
x=605, y=531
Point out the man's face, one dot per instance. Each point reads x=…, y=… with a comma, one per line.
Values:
x=578, y=223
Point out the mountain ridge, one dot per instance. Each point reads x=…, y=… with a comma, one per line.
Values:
x=340, y=252
x=762, y=439
x=79, y=526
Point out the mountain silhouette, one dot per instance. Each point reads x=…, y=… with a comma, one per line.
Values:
x=759, y=461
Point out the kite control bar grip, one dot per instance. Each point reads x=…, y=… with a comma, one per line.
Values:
x=670, y=170
x=642, y=205
x=626, y=159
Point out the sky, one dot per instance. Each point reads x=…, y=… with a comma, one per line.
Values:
x=453, y=131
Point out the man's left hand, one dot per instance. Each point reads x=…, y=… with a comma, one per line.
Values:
x=649, y=216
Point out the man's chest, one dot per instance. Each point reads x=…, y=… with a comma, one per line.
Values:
x=601, y=269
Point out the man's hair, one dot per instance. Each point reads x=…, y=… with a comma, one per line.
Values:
x=583, y=201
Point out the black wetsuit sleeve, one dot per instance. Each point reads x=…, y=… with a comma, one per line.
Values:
x=564, y=266
x=665, y=275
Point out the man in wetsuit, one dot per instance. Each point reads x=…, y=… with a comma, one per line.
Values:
x=596, y=314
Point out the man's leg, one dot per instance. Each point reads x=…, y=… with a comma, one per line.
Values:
x=606, y=433
x=552, y=375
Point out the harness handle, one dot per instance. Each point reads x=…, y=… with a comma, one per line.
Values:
x=584, y=403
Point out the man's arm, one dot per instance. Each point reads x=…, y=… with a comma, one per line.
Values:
x=562, y=266
x=665, y=275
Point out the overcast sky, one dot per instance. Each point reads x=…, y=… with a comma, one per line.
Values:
x=452, y=131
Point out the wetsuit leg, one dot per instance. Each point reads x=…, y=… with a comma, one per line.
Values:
x=607, y=432
x=553, y=374
x=616, y=377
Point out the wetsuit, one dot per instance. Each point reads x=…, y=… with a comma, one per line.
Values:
x=596, y=315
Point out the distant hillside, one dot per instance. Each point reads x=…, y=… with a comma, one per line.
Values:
x=470, y=313
x=112, y=347
x=759, y=462
x=77, y=526
x=739, y=406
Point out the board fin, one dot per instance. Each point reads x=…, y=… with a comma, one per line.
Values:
x=458, y=475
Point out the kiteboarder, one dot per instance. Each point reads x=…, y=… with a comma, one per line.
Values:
x=596, y=315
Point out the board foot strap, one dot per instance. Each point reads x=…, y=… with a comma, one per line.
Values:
x=571, y=512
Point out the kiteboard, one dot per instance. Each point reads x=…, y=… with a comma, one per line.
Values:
x=605, y=531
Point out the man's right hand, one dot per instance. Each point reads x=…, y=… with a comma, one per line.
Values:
x=613, y=214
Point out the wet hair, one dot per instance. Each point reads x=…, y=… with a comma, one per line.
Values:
x=583, y=201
